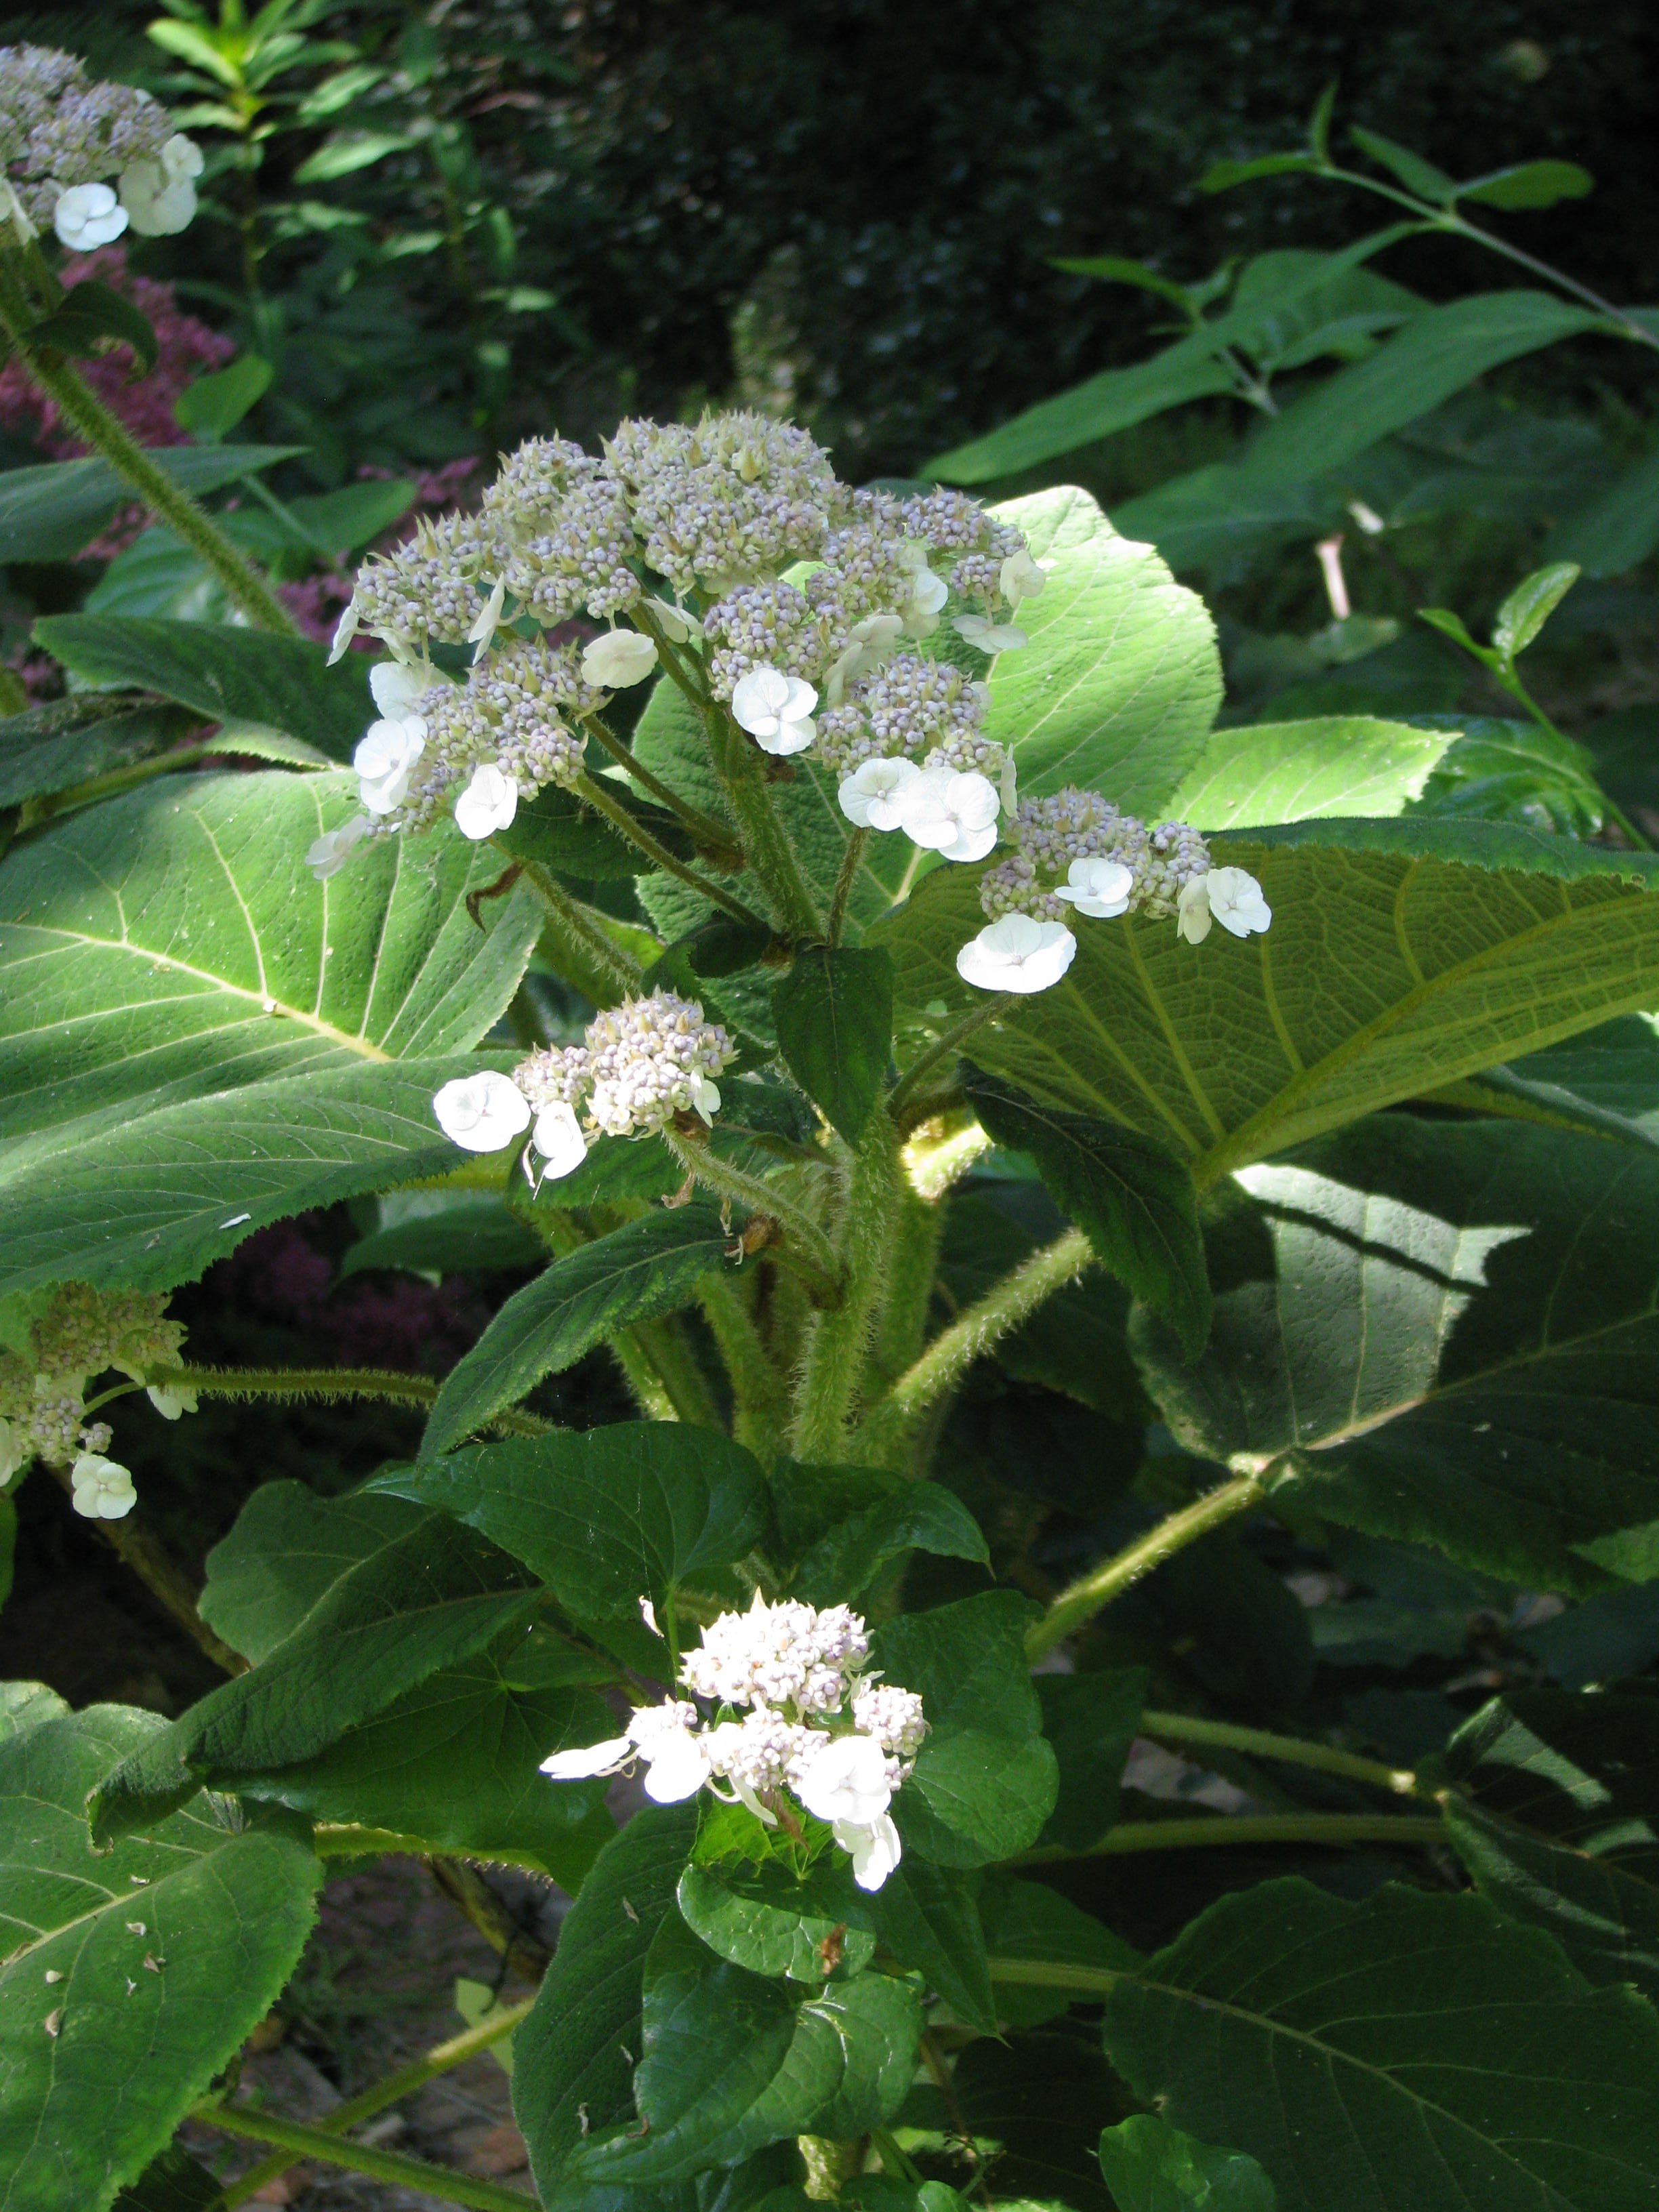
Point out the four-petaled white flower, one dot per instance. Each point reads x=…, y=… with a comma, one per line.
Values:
x=676, y=625
x=873, y=1846
x=88, y=216
x=558, y=1136
x=1099, y=888
x=159, y=191
x=100, y=1489
x=170, y=1399
x=488, y=803
x=387, y=752
x=1017, y=953
x=619, y=658
x=846, y=1783
x=871, y=797
x=1020, y=578
x=482, y=1113
x=326, y=855
x=705, y=1094
x=873, y=641
x=776, y=709
x=989, y=636
x=1231, y=896
x=676, y=1759
x=951, y=810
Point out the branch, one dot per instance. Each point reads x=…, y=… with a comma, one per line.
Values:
x=305, y=2141
x=657, y=854
x=802, y=1246
x=712, y=836
x=586, y=954
x=943, y=1048
x=1294, y=1751
x=1226, y=1828
x=164, y=1578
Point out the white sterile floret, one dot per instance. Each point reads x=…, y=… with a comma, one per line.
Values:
x=588, y=1759
x=619, y=659
x=844, y=1778
x=776, y=709
x=1236, y=901
x=676, y=1759
x=928, y=593
x=989, y=636
x=1099, y=888
x=489, y=619
x=1017, y=954
x=873, y=1847
x=676, y=625
x=871, y=798
x=488, y=803
x=171, y=1400
x=101, y=1488
x=385, y=759
x=558, y=1136
x=1020, y=578
x=158, y=191
x=326, y=855
x=345, y=630
x=775, y=1655
x=482, y=1113
x=951, y=810
x=89, y=216
x=874, y=640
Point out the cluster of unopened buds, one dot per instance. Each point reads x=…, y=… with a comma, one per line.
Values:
x=63, y=136
x=798, y=1726
x=47, y=1359
x=810, y=613
x=638, y=1066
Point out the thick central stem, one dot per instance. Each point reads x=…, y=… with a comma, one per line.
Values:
x=838, y=1343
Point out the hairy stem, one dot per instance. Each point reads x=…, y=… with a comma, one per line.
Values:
x=659, y=854
x=844, y=882
x=58, y=377
x=760, y=1403
x=466, y=1888
x=888, y=1427
x=803, y=1245
x=584, y=951
x=664, y=1344
x=324, y=1382
x=708, y=832
x=1091, y=1592
x=1229, y=1828
x=164, y=1578
x=944, y=1047
x=903, y=1328
x=838, y=1343
x=309, y=2142
x=737, y=762
x=1294, y=1751
x=439, y=2060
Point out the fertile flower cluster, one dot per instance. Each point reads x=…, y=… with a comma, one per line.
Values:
x=62, y=136
x=639, y=1065
x=47, y=1360
x=797, y=1725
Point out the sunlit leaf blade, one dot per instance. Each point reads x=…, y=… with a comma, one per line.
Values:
x=1150, y=2167
x=1329, y=764
x=1413, y=2053
x=769, y=1922
x=649, y=1267
x=167, y=1952
x=1402, y=956
x=1453, y=1332
x=1120, y=681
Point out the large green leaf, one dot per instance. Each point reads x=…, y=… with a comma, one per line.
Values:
x=1150, y=2167
x=648, y=1267
x=833, y=1011
x=1453, y=1332
x=840, y=1526
x=1025, y=1921
x=1436, y=355
x=136, y=1973
x=47, y=749
x=765, y=1919
x=1120, y=681
x=1136, y=1203
x=732, y=2062
x=573, y=2057
x=607, y=1516
x=285, y=1551
x=1606, y=1080
x=1090, y=1720
x=1412, y=2053
x=1402, y=956
x=1605, y=1917
x=925, y=1915
x=985, y=1779
x=170, y=949
x=51, y=512
x=237, y=677
x=1330, y=764
x=1582, y=1771
x=419, y=1602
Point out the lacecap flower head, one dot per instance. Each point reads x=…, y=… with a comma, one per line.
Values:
x=89, y=160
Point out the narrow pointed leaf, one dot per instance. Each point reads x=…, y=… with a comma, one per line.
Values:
x=1604, y=1917
x=835, y=1018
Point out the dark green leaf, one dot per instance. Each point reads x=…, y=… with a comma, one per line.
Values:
x=556, y=829
x=1025, y=1921
x=1582, y=1771
x=213, y=404
x=47, y=749
x=607, y=1516
x=1514, y=771
x=1413, y=2053
x=765, y=1919
x=985, y=1779
x=833, y=1011
x=91, y=316
x=422, y=1601
x=24, y=1705
x=925, y=1915
x=1042, y=2101
x=1135, y=1202
x=1416, y=174
x=1223, y=176
x=1452, y=1332
x=1116, y=271
x=226, y=674
x=445, y=1231
x=165, y=1952
x=1114, y=400
x=573, y=2057
x=50, y=512
x=732, y=2062
x=287, y=1551
x=1529, y=607
x=841, y=1526
x=1150, y=2167
x=648, y=1267
x=1604, y=1918
x=1529, y=185
x=1610, y=532
x=1090, y=1720
x=172, y=2183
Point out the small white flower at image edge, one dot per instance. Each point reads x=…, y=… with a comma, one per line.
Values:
x=776, y=709
x=558, y=1136
x=1017, y=953
x=488, y=803
x=619, y=659
x=482, y=1113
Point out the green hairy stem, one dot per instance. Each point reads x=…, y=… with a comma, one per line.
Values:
x=803, y=1245
x=582, y=949
x=760, y=1401
x=1294, y=1751
x=657, y=854
x=1225, y=1829
x=838, y=1342
x=307, y=2141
